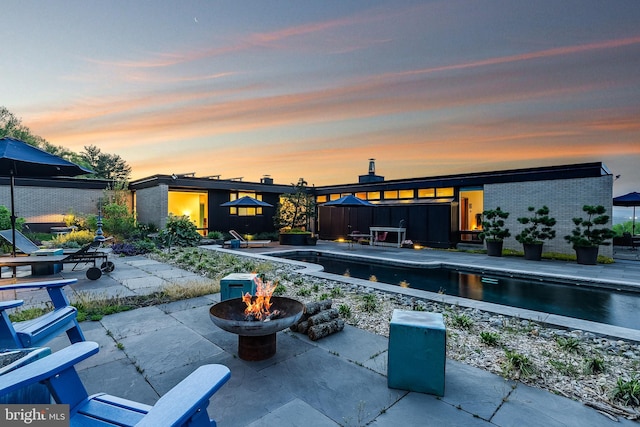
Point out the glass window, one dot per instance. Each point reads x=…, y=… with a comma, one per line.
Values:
x=362, y=195
x=445, y=192
x=321, y=199
x=391, y=194
x=373, y=195
x=426, y=192
x=405, y=194
x=334, y=196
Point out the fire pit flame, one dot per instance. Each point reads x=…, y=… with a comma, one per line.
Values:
x=258, y=307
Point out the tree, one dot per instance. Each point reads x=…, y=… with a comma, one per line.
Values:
x=106, y=166
x=295, y=210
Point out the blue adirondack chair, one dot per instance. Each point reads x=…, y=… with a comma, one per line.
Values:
x=184, y=405
x=35, y=332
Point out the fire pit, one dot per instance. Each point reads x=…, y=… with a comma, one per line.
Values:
x=256, y=336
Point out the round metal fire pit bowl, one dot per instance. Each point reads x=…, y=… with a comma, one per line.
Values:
x=256, y=339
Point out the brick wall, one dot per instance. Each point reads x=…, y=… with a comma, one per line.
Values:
x=564, y=198
x=49, y=205
x=152, y=205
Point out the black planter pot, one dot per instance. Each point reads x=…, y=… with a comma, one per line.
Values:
x=494, y=247
x=587, y=255
x=294, y=239
x=532, y=251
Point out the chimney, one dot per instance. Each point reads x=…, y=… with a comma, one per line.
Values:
x=266, y=179
x=371, y=177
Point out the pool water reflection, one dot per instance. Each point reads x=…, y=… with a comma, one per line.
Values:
x=583, y=302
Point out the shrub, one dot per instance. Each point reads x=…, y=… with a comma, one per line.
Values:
x=75, y=239
x=215, y=235
x=179, y=231
x=517, y=363
x=627, y=391
x=344, y=310
x=462, y=321
x=370, y=303
x=5, y=219
x=493, y=225
x=586, y=234
x=540, y=227
x=490, y=338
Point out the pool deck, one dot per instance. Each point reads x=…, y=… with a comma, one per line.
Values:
x=337, y=381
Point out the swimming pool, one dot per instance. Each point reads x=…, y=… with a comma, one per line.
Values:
x=608, y=306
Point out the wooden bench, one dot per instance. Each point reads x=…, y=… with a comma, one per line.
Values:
x=35, y=332
x=184, y=405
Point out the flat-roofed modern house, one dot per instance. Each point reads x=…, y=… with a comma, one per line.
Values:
x=446, y=211
x=200, y=198
x=441, y=211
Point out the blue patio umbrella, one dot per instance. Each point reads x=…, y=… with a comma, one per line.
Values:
x=629, y=199
x=19, y=159
x=246, y=202
x=348, y=202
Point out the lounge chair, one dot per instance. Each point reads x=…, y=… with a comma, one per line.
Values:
x=246, y=243
x=183, y=405
x=627, y=240
x=35, y=332
x=89, y=253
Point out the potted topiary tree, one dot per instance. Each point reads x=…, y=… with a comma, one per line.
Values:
x=586, y=238
x=540, y=228
x=493, y=231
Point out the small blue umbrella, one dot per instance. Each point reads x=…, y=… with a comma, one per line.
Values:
x=19, y=159
x=246, y=202
x=348, y=202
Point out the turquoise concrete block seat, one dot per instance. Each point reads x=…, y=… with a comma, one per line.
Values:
x=417, y=352
x=235, y=285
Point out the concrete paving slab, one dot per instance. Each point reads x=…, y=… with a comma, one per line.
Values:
x=165, y=381
x=168, y=348
x=378, y=363
x=93, y=331
x=141, y=262
x=173, y=273
x=123, y=272
x=352, y=343
x=205, y=302
x=150, y=283
x=483, y=397
x=127, y=383
x=248, y=396
x=293, y=414
x=417, y=409
x=332, y=386
x=530, y=407
x=136, y=322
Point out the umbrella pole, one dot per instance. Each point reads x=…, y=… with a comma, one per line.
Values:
x=13, y=217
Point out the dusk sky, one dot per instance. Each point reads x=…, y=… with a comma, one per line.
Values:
x=314, y=89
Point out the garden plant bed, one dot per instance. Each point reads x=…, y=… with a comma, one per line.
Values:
x=560, y=361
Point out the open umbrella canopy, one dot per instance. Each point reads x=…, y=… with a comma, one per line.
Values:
x=246, y=202
x=348, y=201
x=19, y=159
x=629, y=199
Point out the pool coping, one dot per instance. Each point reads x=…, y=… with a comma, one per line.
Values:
x=545, y=319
